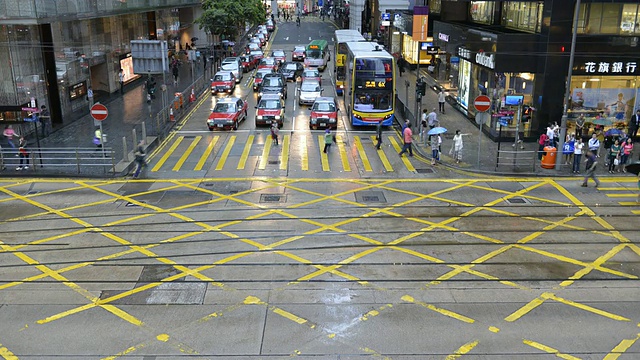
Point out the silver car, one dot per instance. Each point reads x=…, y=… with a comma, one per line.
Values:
x=233, y=65
x=309, y=91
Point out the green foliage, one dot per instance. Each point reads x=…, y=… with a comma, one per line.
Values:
x=227, y=17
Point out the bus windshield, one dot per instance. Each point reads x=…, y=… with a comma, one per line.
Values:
x=369, y=99
x=314, y=54
x=373, y=84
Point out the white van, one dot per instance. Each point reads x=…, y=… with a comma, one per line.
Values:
x=234, y=65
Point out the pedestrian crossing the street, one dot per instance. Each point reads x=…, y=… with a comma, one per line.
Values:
x=294, y=152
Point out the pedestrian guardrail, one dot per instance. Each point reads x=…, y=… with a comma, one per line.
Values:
x=518, y=160
x=87, y=161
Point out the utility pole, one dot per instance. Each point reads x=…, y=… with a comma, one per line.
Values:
x=567, y=95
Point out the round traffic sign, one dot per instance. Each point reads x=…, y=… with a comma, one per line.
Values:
x=482, y=103
x=99, y=112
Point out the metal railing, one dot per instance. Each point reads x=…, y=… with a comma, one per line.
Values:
x=518, y=160
x=87, y=161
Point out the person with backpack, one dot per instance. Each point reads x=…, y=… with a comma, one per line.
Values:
x=274, y=132
x=24, y=155
x=328, y=140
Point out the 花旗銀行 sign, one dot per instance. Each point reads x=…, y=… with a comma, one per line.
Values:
x=615, y=67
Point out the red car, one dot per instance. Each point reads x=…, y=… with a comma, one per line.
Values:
x=279, y=55
x=298, y=53
x=268, y=63
x=324, y=113
x=248, y=62
x=227, y=114
x=257, y=78
x=223, y=82
x=312, y=74
x=257, y=54
x=270, y=108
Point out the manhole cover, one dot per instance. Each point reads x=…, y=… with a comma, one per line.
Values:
x=517, y=201
x=274, y=162
x=370, y=197
x=272, y=198
x=424, y=171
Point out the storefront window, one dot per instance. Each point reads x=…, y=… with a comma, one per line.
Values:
x=525, y=16
x=482, y=11
x=435, y=6
x=613, y=98
x=595, y=18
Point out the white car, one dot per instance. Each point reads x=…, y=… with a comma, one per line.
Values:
x=310, y=90
x=233, y=65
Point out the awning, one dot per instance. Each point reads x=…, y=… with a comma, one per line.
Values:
x=383, y=5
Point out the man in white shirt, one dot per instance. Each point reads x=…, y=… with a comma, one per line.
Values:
x=432, y=119
x=594, y=144
x=551, y=134
x=423, y=125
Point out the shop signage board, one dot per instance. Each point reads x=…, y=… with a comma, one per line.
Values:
x=433, y=50
x=386, y=16
x=613, y=67
x=99, y=112
x=482, y=103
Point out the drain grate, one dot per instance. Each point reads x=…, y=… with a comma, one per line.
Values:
x=231, y=192
x=370, y=197
x=518, y=200
x=208, y=185
x=274, y=162
x=272, y=198
x=130, y=204
x=425, y=171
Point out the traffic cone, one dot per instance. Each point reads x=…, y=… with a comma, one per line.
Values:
x=192, y=97
x=171, y=117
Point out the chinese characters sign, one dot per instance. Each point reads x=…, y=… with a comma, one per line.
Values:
x=612, y=68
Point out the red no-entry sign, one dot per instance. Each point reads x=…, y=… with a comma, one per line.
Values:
x=482, y=103
x=99, y=112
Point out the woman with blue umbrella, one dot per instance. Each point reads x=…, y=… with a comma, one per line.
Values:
x=435, y=144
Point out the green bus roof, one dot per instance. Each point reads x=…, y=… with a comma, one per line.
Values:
x=317, y=45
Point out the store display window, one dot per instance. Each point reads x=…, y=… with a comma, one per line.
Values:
x=607, y=18
x=482, y=11
x=525, y=16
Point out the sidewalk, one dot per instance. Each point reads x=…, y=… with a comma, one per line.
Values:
x=453, y=119
x=126, y=112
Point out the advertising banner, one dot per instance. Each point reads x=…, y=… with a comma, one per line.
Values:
x=618, y=103
x=420, y=23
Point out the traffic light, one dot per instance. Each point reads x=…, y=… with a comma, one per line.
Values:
x=421, y=87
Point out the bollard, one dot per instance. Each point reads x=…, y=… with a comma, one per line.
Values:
x=144, y=132
x=125, y=153
x=135, y=138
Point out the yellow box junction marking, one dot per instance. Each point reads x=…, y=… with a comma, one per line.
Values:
x=284, y=155
x=225, y=153
x=304, y=154
x=621, y=348
x=245, y=153
x=398, y=148
x=186, y=154
x=6, y=354
x=363, y=155
x=445, y=312
x=264, y=159
x=549, y=350
x=464, y=349
x=383, y=156
x=166, y=155
x=344, y=157
x=323, y=156
x=205, y=155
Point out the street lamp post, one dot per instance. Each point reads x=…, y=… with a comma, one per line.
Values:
x=567, y=94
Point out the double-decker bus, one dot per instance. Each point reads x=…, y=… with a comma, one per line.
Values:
x=340, y=40
x=370, y=90
x=317, y=54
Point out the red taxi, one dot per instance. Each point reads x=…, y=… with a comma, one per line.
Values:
x=268, y=63
x=223, y=82
x=248, y=62
x=227, y=114
x=270, y=108
x=298, y=53
x=324, y=113
x=312, y=74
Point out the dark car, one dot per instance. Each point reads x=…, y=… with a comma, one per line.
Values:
x=291, y=70
x=257, y=77
x=270, y=26
x=273, y=84
x=227, y=114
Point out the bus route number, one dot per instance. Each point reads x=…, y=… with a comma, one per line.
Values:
x=375, y=84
